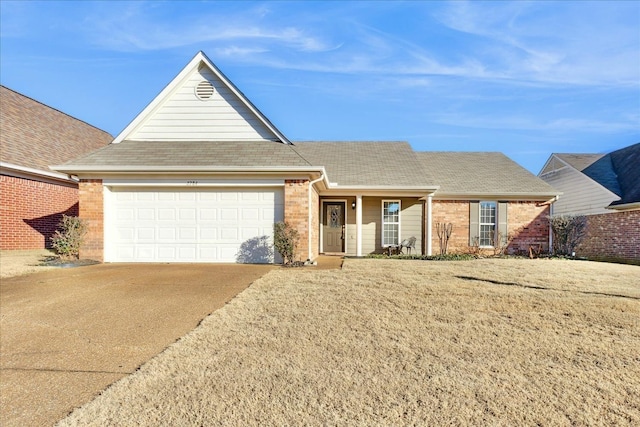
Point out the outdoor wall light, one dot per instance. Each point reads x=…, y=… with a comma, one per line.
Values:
x=353, y=205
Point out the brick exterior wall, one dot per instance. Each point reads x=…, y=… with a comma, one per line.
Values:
x=612, y=236
x=296, y=214
x=455, y=212
x=30, y=211
x=92, y=210
x=527, y=224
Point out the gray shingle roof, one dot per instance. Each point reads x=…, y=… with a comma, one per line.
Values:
x=618, y=171
x=626, y=163
x=35, y=135
x=366, y=163
x=192, y=154
x=371, y=164
x=579, y=161
x=481, y=173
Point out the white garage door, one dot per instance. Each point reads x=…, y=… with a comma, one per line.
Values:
x=191, y=225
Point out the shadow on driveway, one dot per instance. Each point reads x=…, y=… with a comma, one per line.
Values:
x=66, y=334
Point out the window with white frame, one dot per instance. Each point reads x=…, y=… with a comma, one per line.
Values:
x=390, y=222
x=487, y=223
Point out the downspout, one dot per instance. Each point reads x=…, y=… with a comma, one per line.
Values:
x=311, y=184
x=429, y=224
x=555, y=199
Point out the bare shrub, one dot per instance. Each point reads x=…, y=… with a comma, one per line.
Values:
x=500, y=242
x=568, y=231
x=444, y=234
x=67, y=240
x=474, y=247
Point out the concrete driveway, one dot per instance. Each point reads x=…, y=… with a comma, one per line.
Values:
x=66, y=334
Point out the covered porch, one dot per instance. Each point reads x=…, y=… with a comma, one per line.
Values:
x=371, y=222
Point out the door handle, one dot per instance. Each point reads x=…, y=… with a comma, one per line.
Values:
x=343, y=228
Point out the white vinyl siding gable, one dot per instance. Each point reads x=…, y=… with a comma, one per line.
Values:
x=183, y=116
x=580, y=194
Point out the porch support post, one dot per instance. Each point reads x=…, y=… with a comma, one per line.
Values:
x=429, y=224
x=359, y=225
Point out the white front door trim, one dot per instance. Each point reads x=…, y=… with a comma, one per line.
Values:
x=322, y=221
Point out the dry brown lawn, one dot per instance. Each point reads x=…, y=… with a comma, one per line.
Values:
x=386, y=342
x=17, y=263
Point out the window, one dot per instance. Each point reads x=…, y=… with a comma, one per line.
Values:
x=487, y=223
x=390, y=222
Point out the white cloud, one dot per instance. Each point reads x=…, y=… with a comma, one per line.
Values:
x=533, y=122
x=585, y=43
x=135, y=27
x=237, y=51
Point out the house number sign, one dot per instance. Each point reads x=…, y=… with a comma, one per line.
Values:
x=192, y=183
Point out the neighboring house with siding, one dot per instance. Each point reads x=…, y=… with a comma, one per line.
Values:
x=201, y=175
x=606, y=188
x=33, y=197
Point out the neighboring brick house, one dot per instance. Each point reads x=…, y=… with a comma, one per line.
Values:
x=201, y=175
x=33, y=197
x=605, y=188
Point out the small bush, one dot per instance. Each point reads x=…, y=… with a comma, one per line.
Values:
x=67, y=240
x=285, y=240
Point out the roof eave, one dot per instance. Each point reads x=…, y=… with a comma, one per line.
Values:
x=533, y=196
x=23, y=170
x=624, y=206
x=79, y=169
x=381, y=190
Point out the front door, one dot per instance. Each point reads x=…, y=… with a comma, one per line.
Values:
x=333, y=227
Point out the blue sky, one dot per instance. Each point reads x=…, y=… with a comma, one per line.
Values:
x=523, y=78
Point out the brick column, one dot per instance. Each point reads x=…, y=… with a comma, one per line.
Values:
x=296, y=213
x=92, y=211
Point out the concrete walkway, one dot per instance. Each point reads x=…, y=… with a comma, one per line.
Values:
x=66, y=334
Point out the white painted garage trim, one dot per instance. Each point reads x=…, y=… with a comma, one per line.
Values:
x=186, y=224
x=193, y=182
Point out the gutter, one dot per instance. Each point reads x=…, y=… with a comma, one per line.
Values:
x=548, y=202
x=624, y=206
x=79, y=169
x=32, y=171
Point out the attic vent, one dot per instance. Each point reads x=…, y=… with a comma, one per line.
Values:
x=204, y=90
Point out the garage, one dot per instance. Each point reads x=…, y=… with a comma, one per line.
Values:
x=191, y=224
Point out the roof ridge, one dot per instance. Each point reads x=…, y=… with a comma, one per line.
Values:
x=292, y=146
x=55, y=109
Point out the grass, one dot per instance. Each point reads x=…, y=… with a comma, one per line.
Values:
x=388, y=342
